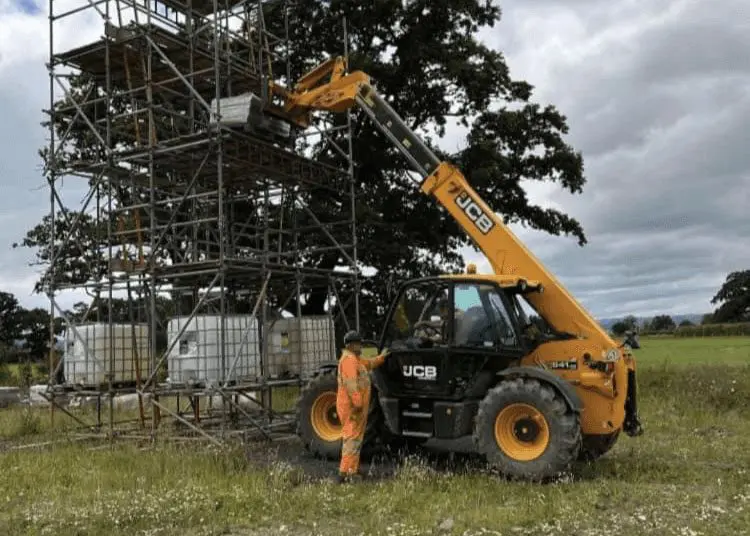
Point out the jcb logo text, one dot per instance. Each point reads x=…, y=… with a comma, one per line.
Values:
x=420, y=372
x=483, y=222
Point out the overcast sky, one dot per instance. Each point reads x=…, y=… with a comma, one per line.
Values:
x=657, y=96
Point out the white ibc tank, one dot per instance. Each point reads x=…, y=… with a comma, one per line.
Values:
x=89, y=357
x=197, y=357
x=297, y=346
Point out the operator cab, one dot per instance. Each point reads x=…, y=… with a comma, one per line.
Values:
x=463, y=312
x=444, y=331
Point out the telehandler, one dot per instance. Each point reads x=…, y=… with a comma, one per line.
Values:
x=466, y=358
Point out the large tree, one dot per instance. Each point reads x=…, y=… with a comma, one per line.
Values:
x=629, y=323
x=10, y=318
x=662, y=323
x=29, y=326
x=426, y=58
x=35, y=324
x=733, y=298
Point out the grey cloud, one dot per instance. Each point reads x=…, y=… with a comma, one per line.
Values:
x=625, y=123
x=637, y=283
x=689, y=49
x=680, y=178
x=24, y=198
x=623, y=88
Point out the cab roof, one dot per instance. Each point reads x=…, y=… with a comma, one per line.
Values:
x=501, y=280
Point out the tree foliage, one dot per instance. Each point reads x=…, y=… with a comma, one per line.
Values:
x=733, y=329
x=426, y=58
x=733, y=298
x=25, y=329
x=10, y=319
x=662, y=323
x=79, y=254
x=36, y=336
x=629, y=323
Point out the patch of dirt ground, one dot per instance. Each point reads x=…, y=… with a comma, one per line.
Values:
x=448, y=456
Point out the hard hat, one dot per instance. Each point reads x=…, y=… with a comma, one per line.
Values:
x=352, y=336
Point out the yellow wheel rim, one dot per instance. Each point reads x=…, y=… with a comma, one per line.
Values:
x=324, y=418
x=521, y=432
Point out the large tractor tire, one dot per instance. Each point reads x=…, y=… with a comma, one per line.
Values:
x=594, y=447
x=318, y=424
x=526, y=430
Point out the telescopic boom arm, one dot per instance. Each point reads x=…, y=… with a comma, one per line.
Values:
x=505, y=252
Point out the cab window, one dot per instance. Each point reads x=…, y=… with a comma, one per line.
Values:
x=421, y=313
x=529, y=318
x=481, y=318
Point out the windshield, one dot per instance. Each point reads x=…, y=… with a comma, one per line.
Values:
x=481, y=318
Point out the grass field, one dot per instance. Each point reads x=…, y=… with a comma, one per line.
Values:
x=11, y=374
x=688, y=475
x=668, y=351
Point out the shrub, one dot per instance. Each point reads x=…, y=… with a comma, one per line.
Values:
x=6, y=376
x=714, y=330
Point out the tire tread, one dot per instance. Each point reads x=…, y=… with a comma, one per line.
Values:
x=563, y=422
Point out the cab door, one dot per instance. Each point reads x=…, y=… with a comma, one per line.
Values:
x=485, y=337
x=417, y=335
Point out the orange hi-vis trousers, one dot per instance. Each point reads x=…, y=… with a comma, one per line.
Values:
x=352, y=403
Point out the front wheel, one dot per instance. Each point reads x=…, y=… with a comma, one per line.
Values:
x=525, y=429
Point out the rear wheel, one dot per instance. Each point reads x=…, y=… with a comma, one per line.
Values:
x=525, y=429
x=318, y=424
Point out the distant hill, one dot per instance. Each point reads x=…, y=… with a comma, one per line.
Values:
x=694, y=318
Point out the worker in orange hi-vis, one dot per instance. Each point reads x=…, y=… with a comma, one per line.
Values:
x=353, y=401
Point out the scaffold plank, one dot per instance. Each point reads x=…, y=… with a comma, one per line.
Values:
x=248, y=163
x=128, y=49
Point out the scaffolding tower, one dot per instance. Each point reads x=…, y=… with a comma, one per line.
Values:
x=204, y=232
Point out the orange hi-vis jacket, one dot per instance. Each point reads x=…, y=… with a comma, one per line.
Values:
x=352, y=403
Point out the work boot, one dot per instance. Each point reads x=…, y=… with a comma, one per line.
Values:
x=345, y=478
